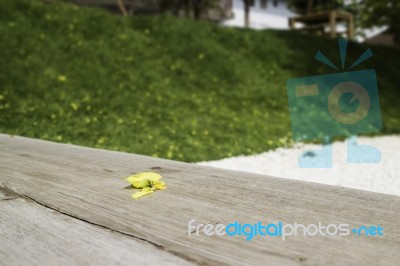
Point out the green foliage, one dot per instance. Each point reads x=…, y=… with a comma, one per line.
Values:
x=160, y=86
x=301, y=6
x=372, y=13
x=381, y=12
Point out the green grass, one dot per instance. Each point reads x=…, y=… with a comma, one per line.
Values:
x=159, y=86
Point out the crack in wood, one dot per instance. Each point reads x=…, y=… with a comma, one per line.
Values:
x=84, y=201
x=15, y=195
x=8, y=194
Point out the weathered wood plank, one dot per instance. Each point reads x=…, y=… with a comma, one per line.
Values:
x=87, y=183
x=31, y=234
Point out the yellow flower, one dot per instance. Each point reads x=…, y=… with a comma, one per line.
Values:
x=147, y=181
x=62, y=78
x=101, y=140
x=141, y=180
x=74, y=106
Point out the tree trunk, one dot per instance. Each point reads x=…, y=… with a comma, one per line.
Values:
x=122, y=7
x=187, y=8
x=196, y=8
x=310, y=6
x=246, y=13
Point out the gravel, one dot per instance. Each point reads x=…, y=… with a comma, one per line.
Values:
x=383, y=177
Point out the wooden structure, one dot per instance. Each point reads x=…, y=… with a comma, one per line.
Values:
x=63, y=204
x=319, y=21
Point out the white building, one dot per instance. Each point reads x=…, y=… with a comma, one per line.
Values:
x=276, y=17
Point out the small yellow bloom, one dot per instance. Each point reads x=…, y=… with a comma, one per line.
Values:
x=101, y=140
x=74, y=106
x=147, y=181
x=141, y=180
x=62, y=78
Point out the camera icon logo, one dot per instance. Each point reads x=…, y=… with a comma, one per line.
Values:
x=359, y=93
x=340, y=104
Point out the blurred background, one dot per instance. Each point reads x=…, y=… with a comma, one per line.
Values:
x=188, y=80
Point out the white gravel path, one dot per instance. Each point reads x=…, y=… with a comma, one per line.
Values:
x=383, y=177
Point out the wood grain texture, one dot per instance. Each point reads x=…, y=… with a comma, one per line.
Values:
x=88, y=184
x=31, y=234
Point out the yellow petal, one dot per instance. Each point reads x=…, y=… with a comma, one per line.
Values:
x=140, y=183
x=159, y=185
x=143, y=192
x=141, y=180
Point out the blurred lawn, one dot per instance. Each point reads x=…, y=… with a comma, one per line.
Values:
x=160, y=86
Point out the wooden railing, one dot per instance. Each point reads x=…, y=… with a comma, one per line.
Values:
x=65, y=204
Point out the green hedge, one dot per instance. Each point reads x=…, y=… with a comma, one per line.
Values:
x=160, y=86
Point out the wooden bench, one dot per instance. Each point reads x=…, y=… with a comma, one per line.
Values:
x=318, y=21
x=65, y=204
